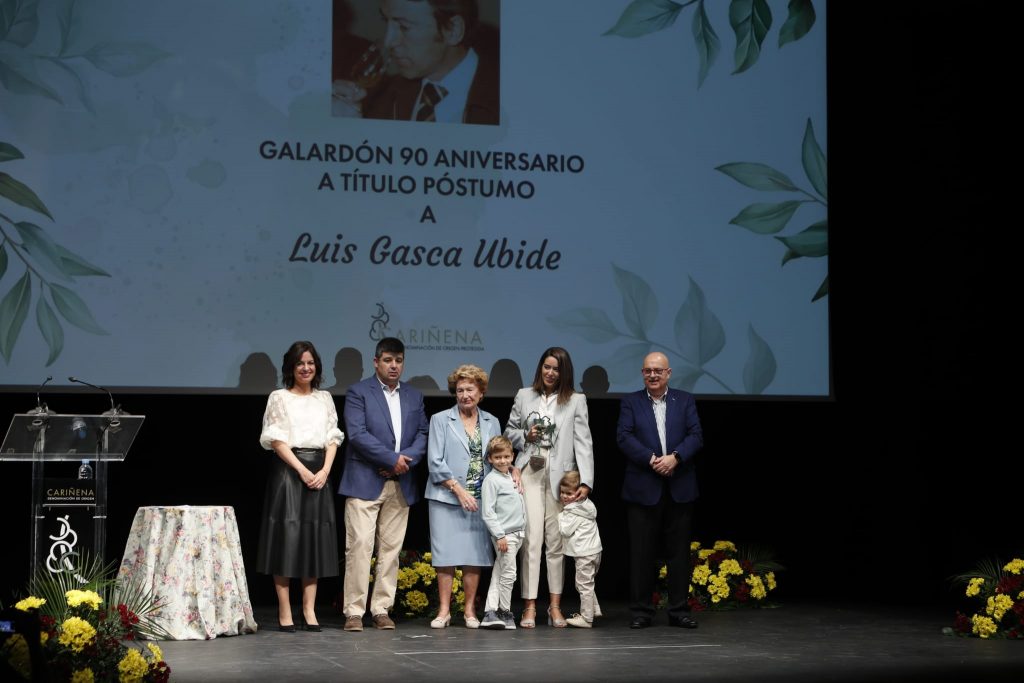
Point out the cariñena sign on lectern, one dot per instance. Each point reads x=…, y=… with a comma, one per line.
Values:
x=69, y=504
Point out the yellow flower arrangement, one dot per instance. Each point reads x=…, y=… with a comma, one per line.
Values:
x=757, y=589
x=416, y=601
x=983, y=626
x=30, y=603
x=133, y=667
x=87, y=621
x=724, y=577
x=76, y=633
x=998, y=587
x=83, y=676
x=416, y=594
x=76, y=598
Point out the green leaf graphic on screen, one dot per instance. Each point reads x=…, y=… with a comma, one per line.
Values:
x=750, y=20
x=44, y=261
x=699, y=337
x=770, y=218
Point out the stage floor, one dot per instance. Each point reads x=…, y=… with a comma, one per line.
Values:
x=795, y=642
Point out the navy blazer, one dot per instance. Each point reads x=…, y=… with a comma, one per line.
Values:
x=448, y=454
x=637, y=436
x=371, y=439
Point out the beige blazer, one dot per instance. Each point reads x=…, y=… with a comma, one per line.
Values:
x=573, y=447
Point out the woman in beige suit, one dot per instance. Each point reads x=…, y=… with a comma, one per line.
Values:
x=550, y=430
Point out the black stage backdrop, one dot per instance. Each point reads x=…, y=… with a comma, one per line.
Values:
x=905, y=477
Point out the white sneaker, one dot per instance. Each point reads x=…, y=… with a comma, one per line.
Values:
x=578, y=621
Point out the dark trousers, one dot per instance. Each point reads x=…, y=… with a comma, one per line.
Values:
x=668, y=523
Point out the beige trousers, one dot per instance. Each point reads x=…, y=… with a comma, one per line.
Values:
x=373, y=524
x=542, y=533
x=586, y=576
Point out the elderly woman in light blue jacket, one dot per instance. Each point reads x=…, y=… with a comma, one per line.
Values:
x=457, y=462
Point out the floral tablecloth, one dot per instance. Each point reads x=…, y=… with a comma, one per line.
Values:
x=191, y=558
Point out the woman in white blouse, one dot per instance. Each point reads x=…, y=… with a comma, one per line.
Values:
x=299, y=537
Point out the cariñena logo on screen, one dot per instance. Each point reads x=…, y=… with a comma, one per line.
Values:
x=62, y=550
x=425, y=338
x=379, y=323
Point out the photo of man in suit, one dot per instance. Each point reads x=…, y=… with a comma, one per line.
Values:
x=386, y=427
x=442, y=66
x=659, y=433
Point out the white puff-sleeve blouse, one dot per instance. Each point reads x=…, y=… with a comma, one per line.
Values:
x=301, y=421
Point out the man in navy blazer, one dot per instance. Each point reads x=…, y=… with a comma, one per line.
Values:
x=386, y=427
x=659, y=433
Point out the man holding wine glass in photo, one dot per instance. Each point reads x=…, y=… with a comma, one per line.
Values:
x=434, y=65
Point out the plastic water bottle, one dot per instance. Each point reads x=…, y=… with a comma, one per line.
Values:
x=85, y=470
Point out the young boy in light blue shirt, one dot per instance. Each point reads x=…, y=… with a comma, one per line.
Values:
x=504, y=513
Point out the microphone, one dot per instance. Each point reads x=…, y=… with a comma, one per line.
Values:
x=113, y=410
x=42, y=411
x=40, y=408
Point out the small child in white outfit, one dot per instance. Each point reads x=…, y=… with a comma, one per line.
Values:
x=504, y=513
x=581, y=540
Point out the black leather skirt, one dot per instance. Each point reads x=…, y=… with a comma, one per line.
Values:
x=299, y=534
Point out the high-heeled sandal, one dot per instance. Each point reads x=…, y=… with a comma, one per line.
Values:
x=529, y=622
x=557, y=623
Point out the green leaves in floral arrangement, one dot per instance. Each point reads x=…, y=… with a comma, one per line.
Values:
x=770, y=218
x=45, y=260
x=699, y=336
x=751, y=20
x=92, y=574
x=997, y=591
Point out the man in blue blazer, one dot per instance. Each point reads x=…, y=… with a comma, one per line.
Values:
x=659, y=433
x=387, y=437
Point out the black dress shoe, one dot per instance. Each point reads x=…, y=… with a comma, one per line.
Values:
x=640, y=622
x=315, y=628
x=682, y=622
x=287, y=628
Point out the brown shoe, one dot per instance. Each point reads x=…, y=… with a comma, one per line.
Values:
x=383, y=622
x=353, y=623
